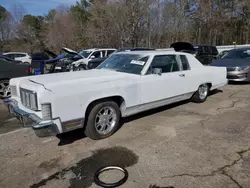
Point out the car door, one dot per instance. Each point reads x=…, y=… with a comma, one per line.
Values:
x=158, y=90
x=189, y=82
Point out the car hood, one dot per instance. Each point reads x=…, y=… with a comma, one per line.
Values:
x=231, y=62
x=89, y=77
x=68, y=50
x=50, y=53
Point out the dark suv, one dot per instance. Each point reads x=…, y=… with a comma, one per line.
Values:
x=204, y=53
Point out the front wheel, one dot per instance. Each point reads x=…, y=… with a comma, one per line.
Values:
x=201, y=94
x=81, y=67
x=103, y=120
x=4, y=89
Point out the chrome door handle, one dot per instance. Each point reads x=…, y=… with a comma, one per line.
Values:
x=182, y=75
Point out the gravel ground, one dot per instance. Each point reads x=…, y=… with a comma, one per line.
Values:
x=185, y=145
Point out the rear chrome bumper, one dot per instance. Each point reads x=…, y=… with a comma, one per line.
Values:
x=41, y=128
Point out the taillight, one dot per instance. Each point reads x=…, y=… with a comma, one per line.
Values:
x=29, y=70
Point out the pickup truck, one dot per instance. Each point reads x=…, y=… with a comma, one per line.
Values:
x=125, y=84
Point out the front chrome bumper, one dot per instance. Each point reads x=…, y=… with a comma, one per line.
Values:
x=41, y=128
x=241, y=76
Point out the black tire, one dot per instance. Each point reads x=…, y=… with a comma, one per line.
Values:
x=4, y=92
x=197, y=97
x=90, y=128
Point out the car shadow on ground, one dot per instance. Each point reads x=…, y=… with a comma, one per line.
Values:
x=238, y=83
x=71, y=137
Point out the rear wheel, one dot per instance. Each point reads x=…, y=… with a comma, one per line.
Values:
x=201, y=94
x=103, y=120
x=4, y=89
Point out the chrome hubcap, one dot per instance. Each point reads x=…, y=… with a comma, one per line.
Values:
x=105, y=120
x=4, y=89
x=203, y=91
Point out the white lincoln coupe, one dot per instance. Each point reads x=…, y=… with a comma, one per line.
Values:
x=125, y=84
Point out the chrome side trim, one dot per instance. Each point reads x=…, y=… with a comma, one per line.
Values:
x=72, y=124
x=148, y=106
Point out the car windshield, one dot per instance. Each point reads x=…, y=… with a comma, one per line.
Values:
x=221, y=54
x=127, y=63
x=237, y=54
x=85, y=53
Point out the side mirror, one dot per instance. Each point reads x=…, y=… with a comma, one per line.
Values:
x=92, y=57
x=157, y=71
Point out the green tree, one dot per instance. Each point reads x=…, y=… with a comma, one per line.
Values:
x=5, y=28
x=3, y=12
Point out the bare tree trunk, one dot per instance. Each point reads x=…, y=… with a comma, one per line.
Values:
x=199, y=35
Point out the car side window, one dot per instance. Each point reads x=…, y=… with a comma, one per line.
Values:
x=109, y=52
x=184, y=62
x=20, y=55
x=167, y=63
x=10, y=56
x=97, y=54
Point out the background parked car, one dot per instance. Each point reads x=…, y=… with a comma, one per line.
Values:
x=64, y=64
x=24, y=57
x=93, y=63
x=47, y=61
x=90, y=54
x=204, y=53
x=11, y=69
x=134, y=49
x=237, y=62
x=9, y=59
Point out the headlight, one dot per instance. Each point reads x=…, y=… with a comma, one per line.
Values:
x=242, y=68
x=71, y=68
x=46, y=111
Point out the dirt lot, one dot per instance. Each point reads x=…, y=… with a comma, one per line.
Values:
x=185, y=146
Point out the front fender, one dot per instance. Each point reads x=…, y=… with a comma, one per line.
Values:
x=80, y=62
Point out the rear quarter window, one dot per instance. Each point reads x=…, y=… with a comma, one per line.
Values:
x=184, y=62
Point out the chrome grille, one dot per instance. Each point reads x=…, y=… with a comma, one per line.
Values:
x=29, y=99
x=231, y=68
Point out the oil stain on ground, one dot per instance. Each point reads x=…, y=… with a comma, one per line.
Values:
x=82, y=175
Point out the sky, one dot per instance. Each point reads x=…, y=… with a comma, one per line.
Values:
x=36, y=7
